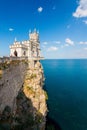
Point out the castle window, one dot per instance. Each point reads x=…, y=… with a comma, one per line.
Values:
x=24, y=53
x=15, y=53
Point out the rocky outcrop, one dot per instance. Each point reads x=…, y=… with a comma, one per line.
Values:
x=22, y=98
x=33, y=90
x=11, y=82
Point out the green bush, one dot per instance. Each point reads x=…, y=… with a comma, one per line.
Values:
x=46, y=95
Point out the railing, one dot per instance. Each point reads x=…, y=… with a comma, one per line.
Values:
x=4, y=59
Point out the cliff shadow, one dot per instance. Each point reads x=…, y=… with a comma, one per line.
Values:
x=25, y=116
x=51, y=124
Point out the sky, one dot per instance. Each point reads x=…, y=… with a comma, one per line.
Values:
x=62, y=26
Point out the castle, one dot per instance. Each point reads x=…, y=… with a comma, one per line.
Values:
x=29, y=48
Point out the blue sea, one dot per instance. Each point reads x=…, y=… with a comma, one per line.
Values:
x=66, y=85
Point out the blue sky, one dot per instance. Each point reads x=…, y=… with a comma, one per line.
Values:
x=62, y=25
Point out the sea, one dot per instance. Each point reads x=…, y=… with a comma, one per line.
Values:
x=66, y=85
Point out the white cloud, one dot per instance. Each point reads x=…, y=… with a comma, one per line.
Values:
x=40, y=9
x=85, y=48
x=45, y=43
x=52, y=48
x=57, y=42
x=11, y=29
x=85, y=21
x=66, y=44
x=83, y=43
x=43, y=46
x=69, y=41
x=81, y=10
x=63, y=46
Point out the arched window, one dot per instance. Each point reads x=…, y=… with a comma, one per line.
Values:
x=24, y=53
x=15, y=53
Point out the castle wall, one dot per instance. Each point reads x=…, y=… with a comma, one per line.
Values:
x=19, y=52
x=24, y=52
x=29, y=48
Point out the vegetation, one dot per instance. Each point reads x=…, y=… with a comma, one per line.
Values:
x=25, y=61
x=5, y=119
x=29, y=88
x=32, y=76
x=38, y=118
x=1, y=72
x=20, y=95
x=14, y=62
x=4, y=65
x=46, y=95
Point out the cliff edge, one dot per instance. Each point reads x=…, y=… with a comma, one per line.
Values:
x=22, y=98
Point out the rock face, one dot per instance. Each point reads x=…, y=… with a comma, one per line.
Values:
x=22, y=98
x=11, y=82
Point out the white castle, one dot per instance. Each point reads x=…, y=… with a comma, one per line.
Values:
x=29, y=48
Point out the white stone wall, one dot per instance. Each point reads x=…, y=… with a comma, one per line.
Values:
x=19, y=51
x=30, y=47
x=24, y=50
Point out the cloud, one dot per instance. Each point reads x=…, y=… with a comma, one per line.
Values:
x=52, y=48
x=63, y=46
x=43, y=46
x=85, y=21
x=66, y=44
x=83, y=43
x=69, y=41
x=11, y=29
x=40, y=9
x=81, y=10
x=85, y=48
x=45, y=43
x=57, y=42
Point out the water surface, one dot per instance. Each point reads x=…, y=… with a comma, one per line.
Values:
x=66, y=84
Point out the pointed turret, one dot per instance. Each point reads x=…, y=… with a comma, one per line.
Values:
x=34, y=36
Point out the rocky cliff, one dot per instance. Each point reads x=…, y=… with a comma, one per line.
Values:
x=22, y=98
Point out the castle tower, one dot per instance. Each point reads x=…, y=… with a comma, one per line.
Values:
x=34, y=36
x=29, y=48
x=35, y=43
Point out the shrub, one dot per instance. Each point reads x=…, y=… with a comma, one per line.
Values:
x=46, y=95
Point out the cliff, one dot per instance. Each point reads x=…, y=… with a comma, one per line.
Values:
x=22, y=98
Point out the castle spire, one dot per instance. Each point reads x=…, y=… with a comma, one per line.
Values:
x=35, y=30
x=15, y=39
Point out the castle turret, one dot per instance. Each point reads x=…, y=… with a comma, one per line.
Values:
x=34, y=36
